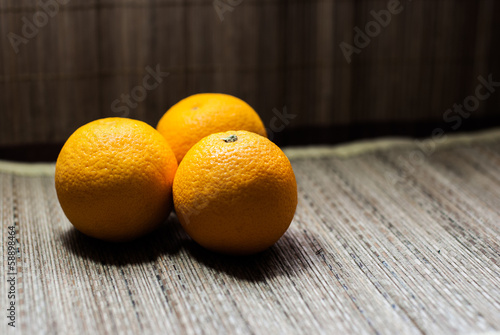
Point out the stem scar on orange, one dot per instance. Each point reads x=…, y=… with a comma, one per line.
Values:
x=114, y=179
x=235, y=192
x=200, y=115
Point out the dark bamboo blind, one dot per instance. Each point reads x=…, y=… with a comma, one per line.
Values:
x=86, y=54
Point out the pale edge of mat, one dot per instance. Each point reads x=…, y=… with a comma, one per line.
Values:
x=366, y=146
x=341, y=151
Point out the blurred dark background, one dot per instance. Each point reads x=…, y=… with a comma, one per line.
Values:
x=64, y=63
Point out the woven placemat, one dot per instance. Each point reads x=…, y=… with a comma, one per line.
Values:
x=398, y=237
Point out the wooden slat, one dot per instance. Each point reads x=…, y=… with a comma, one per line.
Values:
x=270, y=53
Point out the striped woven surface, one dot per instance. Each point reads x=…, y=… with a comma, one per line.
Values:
x=388, y=238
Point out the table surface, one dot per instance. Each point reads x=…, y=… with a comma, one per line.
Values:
x=389, y=237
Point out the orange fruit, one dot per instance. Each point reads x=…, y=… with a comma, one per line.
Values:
x=200, y=115
x=235, y=192
x=114, y=179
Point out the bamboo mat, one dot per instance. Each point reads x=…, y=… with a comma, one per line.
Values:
x=387, y=239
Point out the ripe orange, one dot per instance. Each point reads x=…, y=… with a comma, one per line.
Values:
x=114, y=179
x=200, y=115
x=235, y=192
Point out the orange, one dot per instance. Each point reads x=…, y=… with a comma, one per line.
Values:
x=114, y=179
x=200, y=115
x=235, y=192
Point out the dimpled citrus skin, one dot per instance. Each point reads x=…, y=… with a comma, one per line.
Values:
x=114, y=179
x=235, y=197
x=200, y=115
